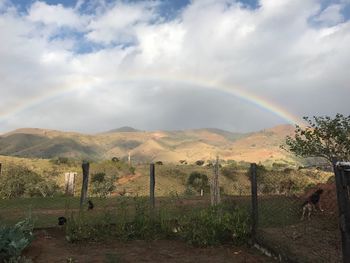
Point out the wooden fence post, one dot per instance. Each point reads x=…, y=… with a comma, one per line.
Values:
x=70, y=183
x=342, y=180
x=254, y=215
x=215, y=186
x=85, y=184
x=152, y=184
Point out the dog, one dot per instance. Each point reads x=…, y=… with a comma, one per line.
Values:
x=90, y=205
x=62, y=220
x=312, y=202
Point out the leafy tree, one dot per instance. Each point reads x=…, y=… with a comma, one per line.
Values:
x=324, y=137
x=198, y=181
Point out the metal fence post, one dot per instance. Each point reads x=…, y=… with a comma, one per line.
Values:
x=215, y=186
x=342, y=179
x=152, y=184
x=254, y=211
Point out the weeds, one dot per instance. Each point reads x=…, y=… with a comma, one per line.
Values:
x=215, y=225
x=201, y=226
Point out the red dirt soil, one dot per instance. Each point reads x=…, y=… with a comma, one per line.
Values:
x=50, y=246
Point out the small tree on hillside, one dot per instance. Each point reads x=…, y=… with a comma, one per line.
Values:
x=198, y=181
x=323, y=137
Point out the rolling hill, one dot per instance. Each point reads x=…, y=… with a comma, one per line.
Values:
x=144, y=146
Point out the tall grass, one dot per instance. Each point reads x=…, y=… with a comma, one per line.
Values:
x=199, y=226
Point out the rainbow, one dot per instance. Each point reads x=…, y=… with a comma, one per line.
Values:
x=92, y=82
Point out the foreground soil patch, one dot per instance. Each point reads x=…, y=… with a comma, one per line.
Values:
x=50, y=246
x=312, y=241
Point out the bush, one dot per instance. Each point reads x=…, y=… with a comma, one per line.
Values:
x=216, y=225
x=230, y=172
x=132, y=169
x=115, y=159
x=64, y=161
x=102, y=185
x=189, y=191
x=13, y=240
x=198, y=181
x=19, y=181
x=199, y=162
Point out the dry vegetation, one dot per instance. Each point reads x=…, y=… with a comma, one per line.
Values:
x=167, y=146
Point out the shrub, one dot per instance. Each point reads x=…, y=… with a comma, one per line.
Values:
x=132, y=169
x=215, y=225
x=13, y=240
x=84, y=227
x=102, y=185
x=203, y=226
x=115, y=159
x=19, y=181
x=64, y=161
x=189, y=191
x=199, y=162
x=122, y=224
x=230, y=172
x=198, y=181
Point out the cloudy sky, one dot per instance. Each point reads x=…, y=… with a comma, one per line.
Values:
x=94, y=65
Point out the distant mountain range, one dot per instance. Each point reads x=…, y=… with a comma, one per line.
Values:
x=167, y=146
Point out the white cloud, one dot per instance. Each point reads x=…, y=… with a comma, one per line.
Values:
x=56, y=15
x=118, y=23
x=331, y=15
x=150, y=69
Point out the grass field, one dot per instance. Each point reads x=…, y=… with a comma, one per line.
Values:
x=45, y=211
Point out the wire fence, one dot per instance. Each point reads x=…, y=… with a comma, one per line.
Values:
x=298, y=223
x=285, y=219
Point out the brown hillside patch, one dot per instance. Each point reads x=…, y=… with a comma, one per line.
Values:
x=128, y=178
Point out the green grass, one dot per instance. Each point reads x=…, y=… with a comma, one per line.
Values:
x=46, y=210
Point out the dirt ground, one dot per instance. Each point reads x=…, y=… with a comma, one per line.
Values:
x=310, y=241
x=50, y=246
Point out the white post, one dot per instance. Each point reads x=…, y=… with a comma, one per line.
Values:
x=70, y=183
